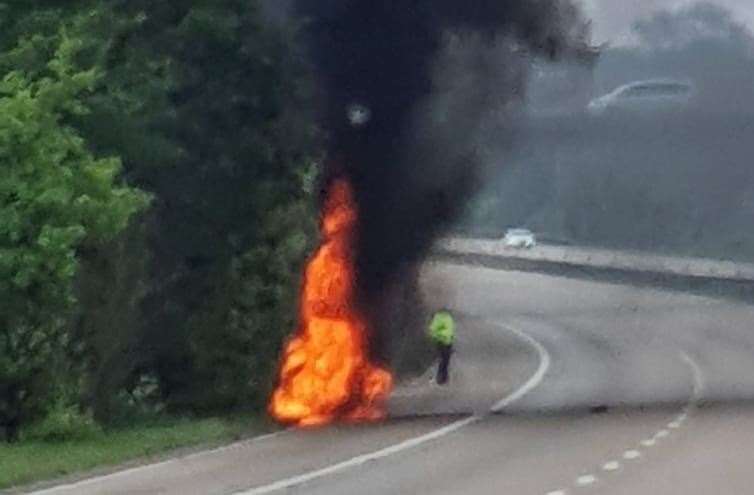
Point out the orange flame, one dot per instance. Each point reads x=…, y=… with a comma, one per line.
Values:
x=325, y=372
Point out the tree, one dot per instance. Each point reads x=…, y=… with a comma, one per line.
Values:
x=55, y=198
x=231, y=204
x=207, y=105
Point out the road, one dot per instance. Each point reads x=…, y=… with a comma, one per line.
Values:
x=560, y=386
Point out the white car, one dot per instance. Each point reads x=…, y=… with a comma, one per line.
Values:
x=644, y=95
x=519, y=238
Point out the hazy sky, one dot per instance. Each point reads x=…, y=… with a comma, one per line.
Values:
x=613, y=18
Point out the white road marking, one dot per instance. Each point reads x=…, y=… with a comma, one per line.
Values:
x=698, y=386
x=75, y=486
x=586, y=480
x=696, y=371
x=529, y=385
x=361, y=459
x=535, y=379
x=631, y=455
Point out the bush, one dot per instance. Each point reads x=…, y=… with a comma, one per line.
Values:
x=207, y=106
x=63, y=422
x=138, y=402
x=55, y=199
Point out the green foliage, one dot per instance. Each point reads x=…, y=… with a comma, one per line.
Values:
x=205, y=104
x=55, y=196
x=237, y=336
x=63, y=422
x=34, y=460
x=107, y=327
x=230, y=204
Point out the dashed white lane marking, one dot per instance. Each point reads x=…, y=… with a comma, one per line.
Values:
x=530, y=384
x=631, y=455
x=78, y=485
x=586, y=480
x=556, y=492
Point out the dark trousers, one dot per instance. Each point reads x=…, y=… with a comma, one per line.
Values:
x=444, y=352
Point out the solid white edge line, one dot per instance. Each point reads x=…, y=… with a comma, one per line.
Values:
x=696, y=371
x=361, y=459
x=530, y=384
x=118, y=474
x=535, y=379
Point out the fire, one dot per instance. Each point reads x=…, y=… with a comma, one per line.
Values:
x=325, y=372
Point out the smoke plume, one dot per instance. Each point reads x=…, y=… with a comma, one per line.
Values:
x=408, y=88
x=675, y=179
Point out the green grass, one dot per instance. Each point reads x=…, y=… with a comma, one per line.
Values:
x=31, y=461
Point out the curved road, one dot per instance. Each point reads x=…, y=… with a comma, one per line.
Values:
x=600, y=388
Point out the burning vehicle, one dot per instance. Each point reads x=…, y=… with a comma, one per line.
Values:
x=407, y=89
x=326, y=370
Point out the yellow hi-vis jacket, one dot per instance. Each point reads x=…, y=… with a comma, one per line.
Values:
x=442, y=328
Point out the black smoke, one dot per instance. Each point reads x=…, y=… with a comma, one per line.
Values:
x=407, y=85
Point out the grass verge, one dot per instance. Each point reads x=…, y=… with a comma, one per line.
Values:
x=32, y=461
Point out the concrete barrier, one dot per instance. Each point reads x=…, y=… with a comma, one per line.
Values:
x=594, y=261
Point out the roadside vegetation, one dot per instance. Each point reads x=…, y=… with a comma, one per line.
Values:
x=157, y=201
x=89, y=447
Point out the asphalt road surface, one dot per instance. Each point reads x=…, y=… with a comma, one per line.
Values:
x=559, y=386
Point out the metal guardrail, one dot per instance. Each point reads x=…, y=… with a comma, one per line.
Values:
x=602, y=259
